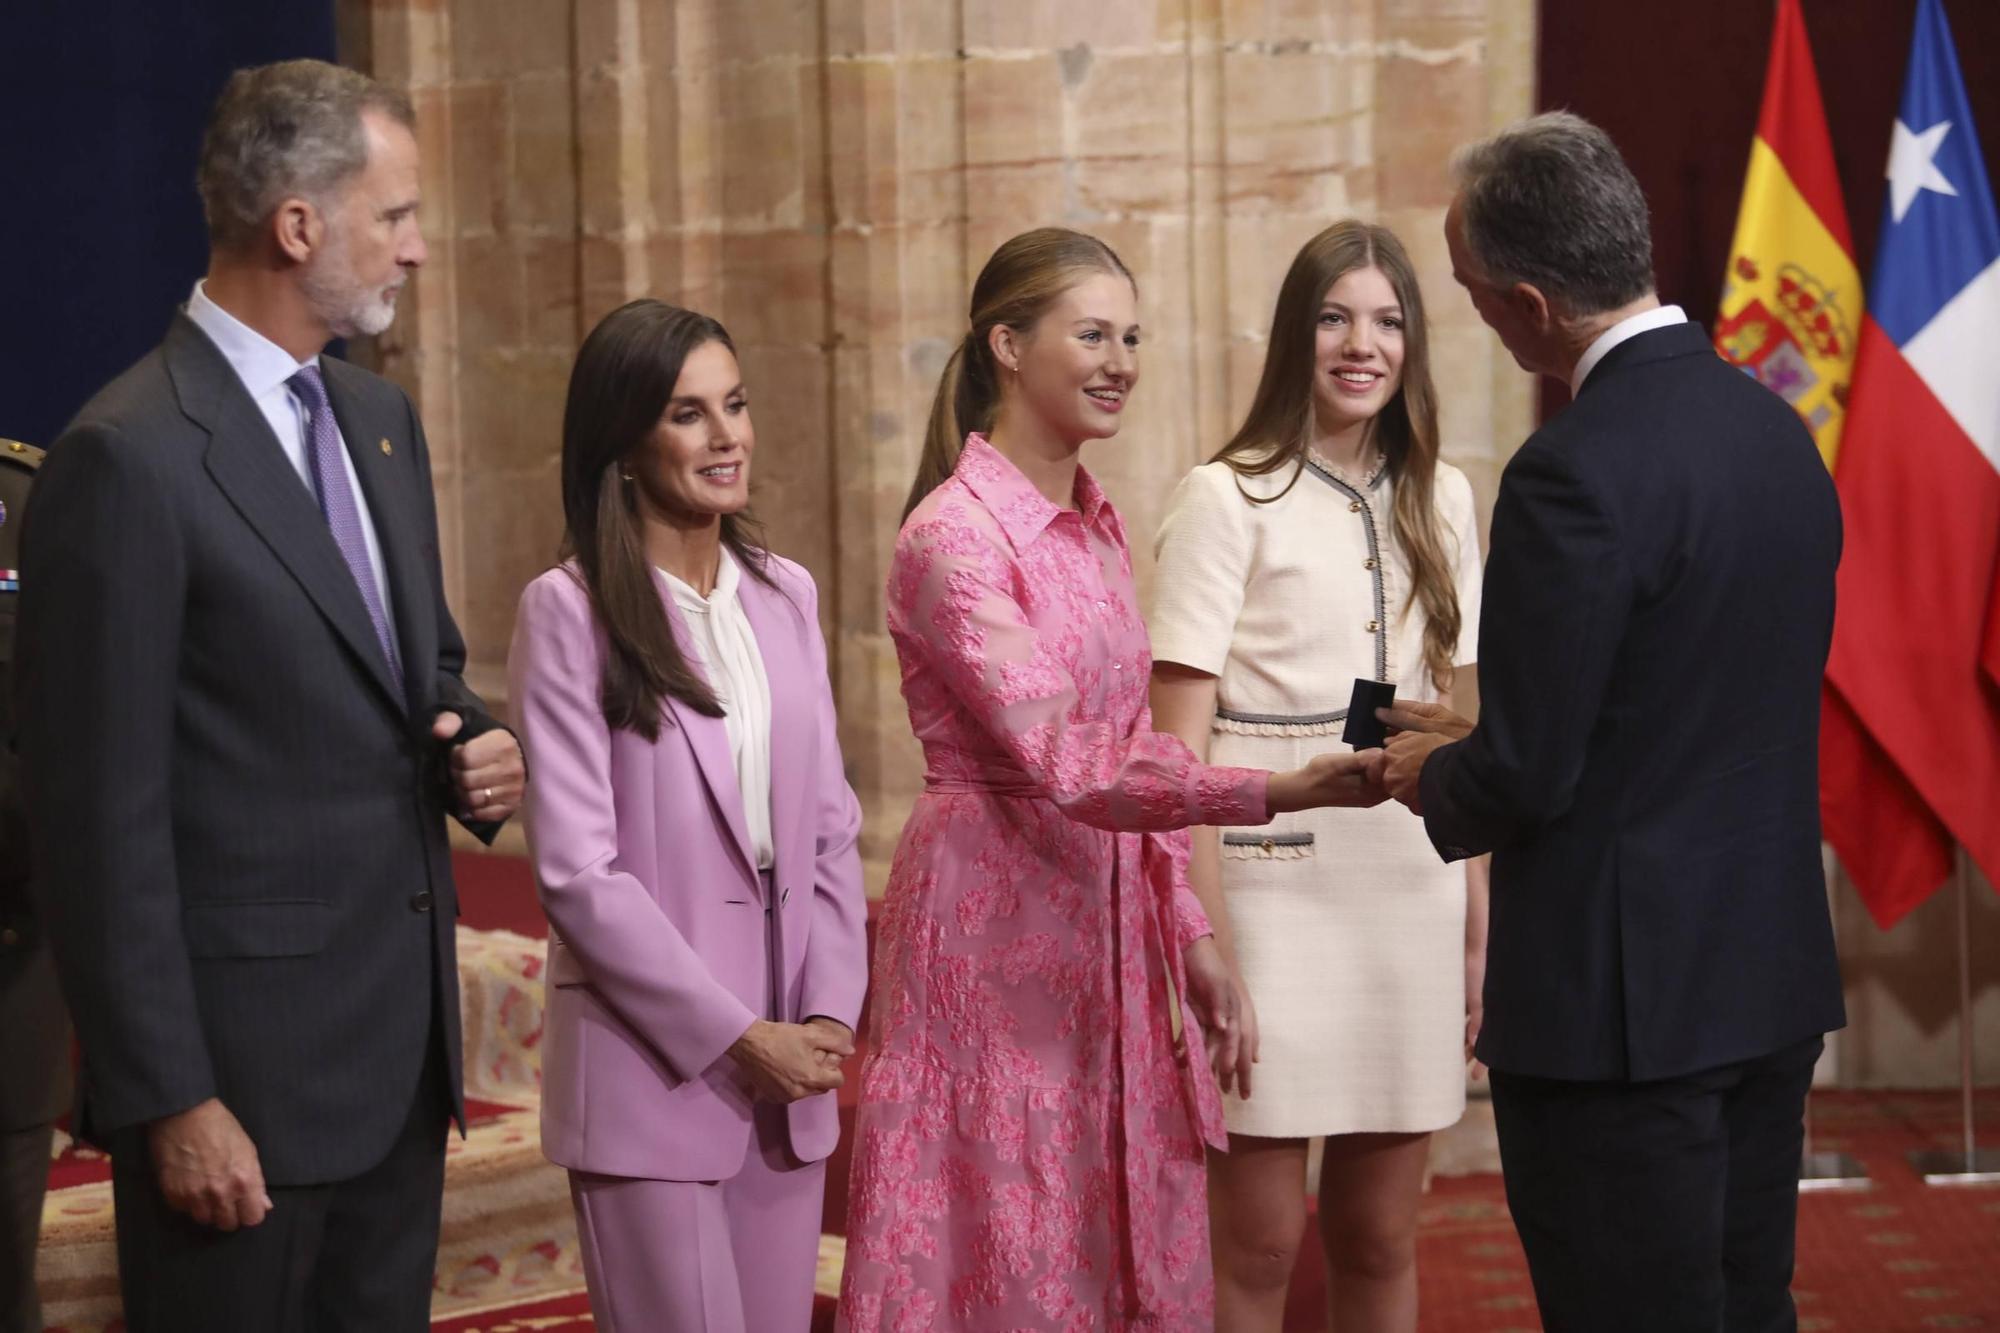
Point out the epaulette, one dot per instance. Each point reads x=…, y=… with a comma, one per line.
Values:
x=21, y=455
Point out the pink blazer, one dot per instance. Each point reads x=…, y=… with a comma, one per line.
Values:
x=643, y=861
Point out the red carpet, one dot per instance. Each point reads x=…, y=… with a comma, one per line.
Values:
x=497, y=893
x=1900, y=1258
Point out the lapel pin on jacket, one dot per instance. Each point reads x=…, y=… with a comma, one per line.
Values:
x=386, y=447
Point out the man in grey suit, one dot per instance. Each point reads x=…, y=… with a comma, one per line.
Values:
x=243, y=724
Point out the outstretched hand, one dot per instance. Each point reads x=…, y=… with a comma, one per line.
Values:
x=1415, y=729
x=1351, y=780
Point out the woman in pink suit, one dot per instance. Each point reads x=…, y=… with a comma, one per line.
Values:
x=693, y=840
x=1034, y=1105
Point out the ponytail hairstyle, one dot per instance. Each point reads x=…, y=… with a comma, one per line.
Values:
x=624, y=377
x=1018, y=285
x=1278, y=427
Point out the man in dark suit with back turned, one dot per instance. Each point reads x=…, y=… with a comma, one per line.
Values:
x=1659, y=600
x=243, y=723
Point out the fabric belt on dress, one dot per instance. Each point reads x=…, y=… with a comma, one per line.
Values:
x=1020, y=788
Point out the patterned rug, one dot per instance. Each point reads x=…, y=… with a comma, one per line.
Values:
x=564, y=1314
x=508, y=1236
x=1901, y=1257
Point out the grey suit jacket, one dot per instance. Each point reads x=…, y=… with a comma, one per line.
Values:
x=238, y=820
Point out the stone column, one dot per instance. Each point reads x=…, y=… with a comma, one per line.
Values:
x=485, y=335
x=895, y=134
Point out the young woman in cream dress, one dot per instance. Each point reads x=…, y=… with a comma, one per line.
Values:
x=1326, y=542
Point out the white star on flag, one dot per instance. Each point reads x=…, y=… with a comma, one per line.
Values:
x=1911, y=166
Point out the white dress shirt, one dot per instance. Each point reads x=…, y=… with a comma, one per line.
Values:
x=720, y=634
x=263, y=367
x=1631, y=327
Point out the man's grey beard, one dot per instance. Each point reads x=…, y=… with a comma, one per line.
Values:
x=344, y=305
x=373, y=316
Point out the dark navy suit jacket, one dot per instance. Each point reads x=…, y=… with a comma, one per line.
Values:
x=1658, y=606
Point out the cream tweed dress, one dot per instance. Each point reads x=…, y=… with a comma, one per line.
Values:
x=1349, y=929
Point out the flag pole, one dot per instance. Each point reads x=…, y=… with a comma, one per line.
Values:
x=1968, y=1164
x=1822, y=1170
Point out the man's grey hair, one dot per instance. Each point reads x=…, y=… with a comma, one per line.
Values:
x=1549, y=202
x=289, y=130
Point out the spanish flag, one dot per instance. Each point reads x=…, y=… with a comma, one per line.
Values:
x=1791, y=300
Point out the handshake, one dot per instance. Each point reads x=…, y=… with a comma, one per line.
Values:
x=1370, y=777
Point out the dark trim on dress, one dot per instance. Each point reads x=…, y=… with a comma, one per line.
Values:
x=1374, y=553
x=1283, y=719
x=1267, y=839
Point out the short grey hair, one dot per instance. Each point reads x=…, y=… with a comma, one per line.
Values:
x=285, y=130
x=1549, y=202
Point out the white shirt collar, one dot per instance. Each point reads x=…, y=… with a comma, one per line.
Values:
x=727, y=576
x=261, y=364
x=1631, y=327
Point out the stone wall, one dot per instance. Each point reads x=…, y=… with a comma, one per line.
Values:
x=827, y=178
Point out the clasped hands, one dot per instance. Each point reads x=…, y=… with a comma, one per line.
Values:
x=1370, y=777
x=788, y=1062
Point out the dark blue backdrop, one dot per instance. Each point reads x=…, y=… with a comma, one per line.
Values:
x=100, y=227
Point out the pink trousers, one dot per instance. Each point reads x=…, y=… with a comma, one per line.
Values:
x=719, y=1256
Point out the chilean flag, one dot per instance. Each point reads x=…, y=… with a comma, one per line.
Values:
x=1910, y=732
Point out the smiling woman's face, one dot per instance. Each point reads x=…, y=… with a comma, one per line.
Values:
x=1075, y=369
x=696, y=462
x=1358, y=355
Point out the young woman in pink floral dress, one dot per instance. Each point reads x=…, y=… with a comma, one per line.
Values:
x=1029, y=1141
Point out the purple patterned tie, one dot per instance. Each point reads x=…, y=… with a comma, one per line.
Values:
x=336, y=502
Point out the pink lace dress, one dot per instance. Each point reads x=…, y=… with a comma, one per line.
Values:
x=1028, y=1144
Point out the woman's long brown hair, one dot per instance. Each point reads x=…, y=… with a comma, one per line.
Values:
x=1018, y=285
x=619, y=389
x=1276, y=431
